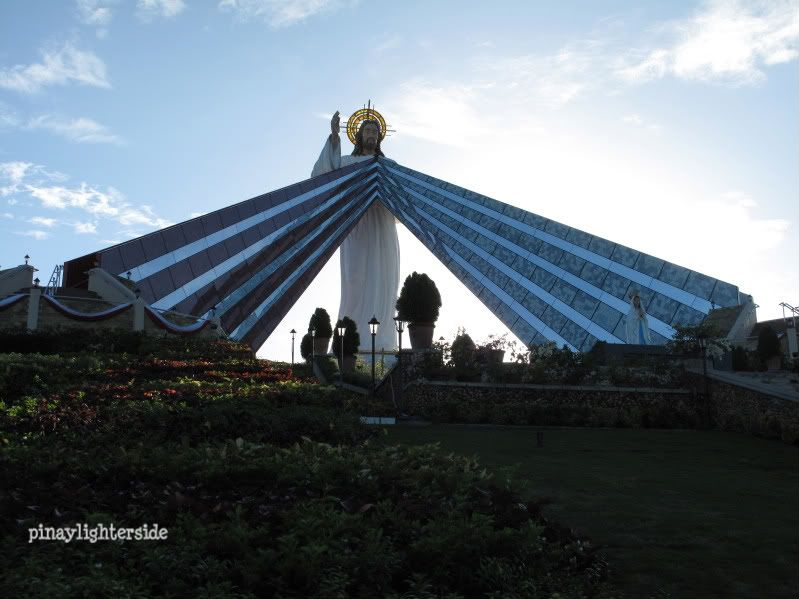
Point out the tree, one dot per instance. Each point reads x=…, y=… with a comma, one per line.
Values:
x=419, y=300
x=768, y=344
x=306, y=347
x=352, y=339
x=321, y=322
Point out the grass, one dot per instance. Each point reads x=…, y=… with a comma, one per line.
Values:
x=678, y=513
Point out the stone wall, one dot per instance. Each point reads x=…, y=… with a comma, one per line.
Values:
x=553, y=405
x=730, y=408
x=49, y=317
x=734, y=408
x=16, y=316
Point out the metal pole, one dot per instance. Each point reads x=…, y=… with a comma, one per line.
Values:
x=341, y=362
x=399, y=366
x=373, y=364
x=707, y=386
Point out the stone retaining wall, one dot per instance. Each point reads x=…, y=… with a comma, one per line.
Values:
x=729, y=408
x=554, y=405
x=735, y=408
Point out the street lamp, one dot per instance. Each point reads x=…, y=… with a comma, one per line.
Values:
x=313, y=347
x=293, y=332
x=341, y=330
x=399, y=326
x=27, y=258
x=702, y=339
x=373, y=326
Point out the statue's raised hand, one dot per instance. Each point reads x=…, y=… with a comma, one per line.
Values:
x=334, y=124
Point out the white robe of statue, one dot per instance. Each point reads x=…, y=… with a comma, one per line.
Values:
x=369, y=262
x=637, y=324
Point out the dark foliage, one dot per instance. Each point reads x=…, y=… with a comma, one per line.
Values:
x=768, y=344
x=419, y=300
x=352, y=339
x=321, y=322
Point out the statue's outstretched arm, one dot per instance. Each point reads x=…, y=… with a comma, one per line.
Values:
x=330, y=158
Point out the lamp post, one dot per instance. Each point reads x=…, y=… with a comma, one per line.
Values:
x=293, y=332
x=313, y=348
x=26, y=259
x=373, y=326
x=702, y=339
x=341, y=330
x=399, y=326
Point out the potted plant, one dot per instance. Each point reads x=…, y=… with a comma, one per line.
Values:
x=351, y=343
x=418, y=305
x=493, y=350
x=320, y=322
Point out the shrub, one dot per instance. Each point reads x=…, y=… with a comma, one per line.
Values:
x=768, y=344
x=352, y=339
x=463, y=349
x=306, y=347
x=419, y=300
x=740, y=358
x=321, y=322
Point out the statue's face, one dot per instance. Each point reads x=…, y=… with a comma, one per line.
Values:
x=370, y=136
x=637, y=301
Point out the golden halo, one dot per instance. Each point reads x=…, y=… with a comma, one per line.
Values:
x=360, y=116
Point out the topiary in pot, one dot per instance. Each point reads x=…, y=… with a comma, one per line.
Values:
x=418, y=305
x=320, y=322
x=352, y=341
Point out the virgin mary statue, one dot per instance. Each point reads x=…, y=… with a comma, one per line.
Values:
x=637, y=323
x=370, y=253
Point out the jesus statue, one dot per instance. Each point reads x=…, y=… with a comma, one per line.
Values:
x=370, y=253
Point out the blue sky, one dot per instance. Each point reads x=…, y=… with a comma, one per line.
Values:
x=669, y=127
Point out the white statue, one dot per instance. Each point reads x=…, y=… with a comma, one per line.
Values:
x=370, y=253
x=637, y=323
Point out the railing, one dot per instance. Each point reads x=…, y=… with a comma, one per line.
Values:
x=55, y=280
x=793, y=310
x=163, y=311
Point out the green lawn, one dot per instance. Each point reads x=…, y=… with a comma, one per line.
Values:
x=679, y=513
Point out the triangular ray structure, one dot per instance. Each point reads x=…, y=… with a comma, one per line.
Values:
x=544, y=280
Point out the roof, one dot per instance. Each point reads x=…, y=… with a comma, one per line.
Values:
x=723, y=318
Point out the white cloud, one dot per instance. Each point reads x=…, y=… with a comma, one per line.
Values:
x=48, y=188
x=11, y=176
x=196, y=214
x=728, y=41
x=35, y=233
x=81, y=130
x=58, y=67
x=166, y=9
x=8, y=117
x=94, y=12
x=418, y=105
x=43, y=221
x=281, y=13
x=7, y=215
x=83, y=228
x=640, y=122
x=386, y=44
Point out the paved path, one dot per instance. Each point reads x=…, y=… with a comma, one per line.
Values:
x=779, y=383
